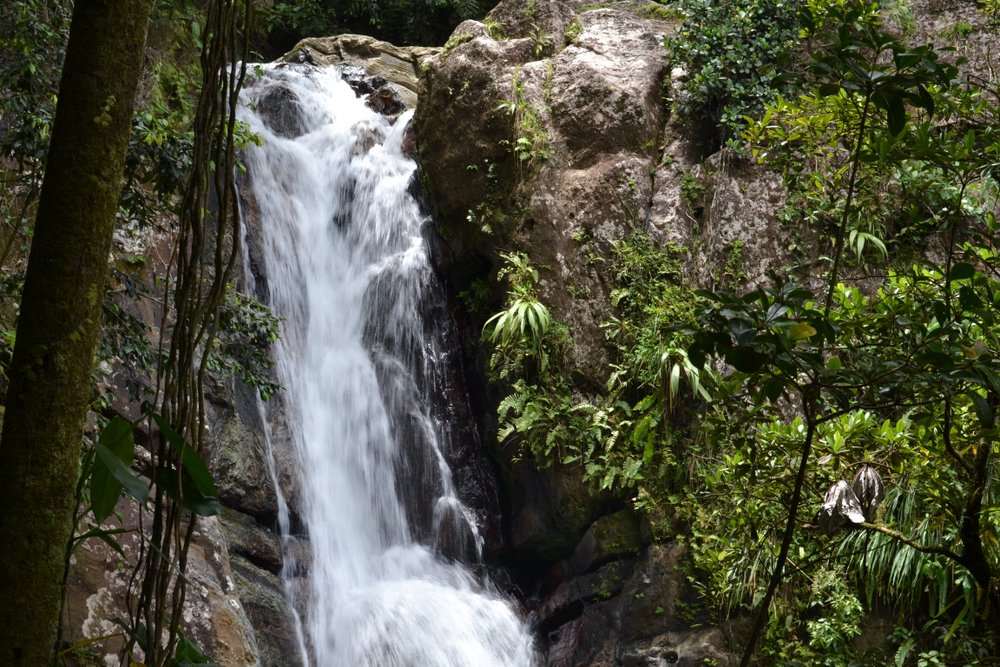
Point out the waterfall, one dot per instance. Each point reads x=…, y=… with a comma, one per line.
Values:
x=343, y=259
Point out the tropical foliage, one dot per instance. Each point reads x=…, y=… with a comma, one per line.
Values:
x=903, y=375
x=877, y=346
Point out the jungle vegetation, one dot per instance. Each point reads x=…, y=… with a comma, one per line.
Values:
x=732, y=410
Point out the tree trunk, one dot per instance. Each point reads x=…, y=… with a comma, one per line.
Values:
x=50, y=385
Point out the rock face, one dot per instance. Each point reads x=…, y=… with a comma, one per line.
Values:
x=629, y=612
x=544, y=129
x=547, y=138
x=214, y=616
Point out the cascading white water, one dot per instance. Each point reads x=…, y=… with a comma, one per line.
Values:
x=345, y=262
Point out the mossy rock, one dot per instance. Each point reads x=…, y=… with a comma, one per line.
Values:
x=610, y=537
x=552, y=509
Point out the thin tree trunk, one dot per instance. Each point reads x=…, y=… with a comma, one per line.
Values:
x=59, y=322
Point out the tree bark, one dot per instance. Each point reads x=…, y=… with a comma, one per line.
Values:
x=50, y=377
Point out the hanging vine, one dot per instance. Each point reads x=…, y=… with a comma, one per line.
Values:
x=207, y=249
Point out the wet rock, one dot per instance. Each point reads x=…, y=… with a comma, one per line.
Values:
x=596, y=101
x=571, y=598
x=279, y=108
x=551, y=511
x=542, y=21
x=251, y=541
x=459, y=132
x=629, y=612
x=607, y=86
x=238, y=456
x=694, y=648
x=739, y=224
x=360, y=81
x=400, y=66
x=385, y=101
x=611, y=537
x=653, y=597
x=263, y=598
x=583, y=642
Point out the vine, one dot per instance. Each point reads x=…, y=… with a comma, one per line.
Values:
x=183, y=487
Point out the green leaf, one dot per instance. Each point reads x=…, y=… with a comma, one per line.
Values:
x=904, y=60
x=745, y=359
x=105, y=536
x=195, y=472
x=962, y=271
x=896, y=115
x=105, y=491
x=926, y=101
x=776, y=311
x=135, y=487
x=186, y=492
x=983, y=410
x=117, y=437
x=110, y=472
x=800, y=331
x=773, y=388
x=172, y=436
x=828, y=89
x=675, y=382
x=199, y=473
x=189, y=654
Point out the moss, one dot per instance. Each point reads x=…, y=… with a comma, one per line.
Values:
x=453, y=42
x=617, y=535
x=661, y=12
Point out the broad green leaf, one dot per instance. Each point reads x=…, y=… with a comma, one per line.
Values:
x=110, y=472
x=135, y=487
x=186, y=492
x=962, y=271
x=675, y=382
x=105, y=490
x=117, y=437
x=191, y=461
x=896, y=115
x=800, y=331
x=774, y=312
x=106, y=536
x=189, y=654
x=773, y=387
x=983, y=410
x=199, y=473
x=745, y=359
x=172, y=436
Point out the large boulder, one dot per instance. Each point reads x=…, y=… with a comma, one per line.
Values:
x=538, y=130
x=399, y=65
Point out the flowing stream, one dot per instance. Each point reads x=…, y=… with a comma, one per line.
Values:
x=343, y=258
